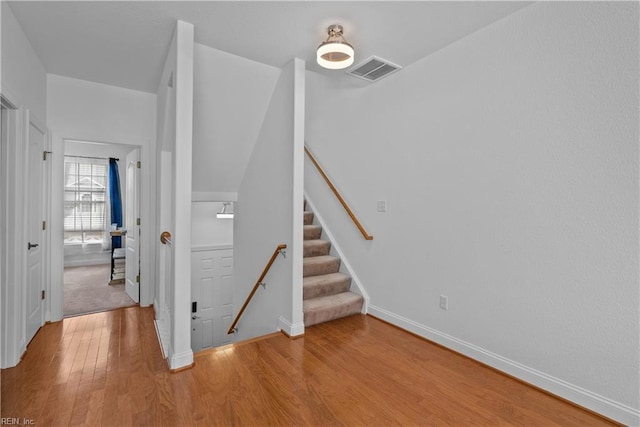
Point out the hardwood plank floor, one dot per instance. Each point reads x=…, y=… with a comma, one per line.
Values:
x=106, y=369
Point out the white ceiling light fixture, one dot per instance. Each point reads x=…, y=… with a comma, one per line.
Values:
x=335, y=53
x=223, y=214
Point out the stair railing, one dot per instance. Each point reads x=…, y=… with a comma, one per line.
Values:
x=279, y=250
x=366, y=235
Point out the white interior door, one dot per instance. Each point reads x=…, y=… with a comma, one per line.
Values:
x=35, y=234
x=212, y=293
x=132, y=260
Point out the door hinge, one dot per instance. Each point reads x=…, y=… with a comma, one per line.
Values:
x=44, y=154
x=138, y=221
x=44, y=225
x=138, y=278
x=42, y=295
x=138, y=164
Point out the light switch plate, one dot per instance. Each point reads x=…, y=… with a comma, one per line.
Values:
x=382, y=205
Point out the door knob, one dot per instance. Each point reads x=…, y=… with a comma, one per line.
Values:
x=165, y=237
x=31, y=246
x=194, y=317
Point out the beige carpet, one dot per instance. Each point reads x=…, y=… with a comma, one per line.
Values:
x=87, y=290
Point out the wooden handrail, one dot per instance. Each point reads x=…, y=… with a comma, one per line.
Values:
x=366, y=235
x=255, y=287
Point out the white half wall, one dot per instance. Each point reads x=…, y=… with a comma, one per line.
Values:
x=86, y=111
x=229, y=104
x=206, y=228
x=264, y=215
x=509, y=163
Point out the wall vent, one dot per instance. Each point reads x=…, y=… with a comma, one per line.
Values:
x=373, y=69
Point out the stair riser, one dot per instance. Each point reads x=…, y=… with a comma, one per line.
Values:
x=328, y=267
x=332, y=288
x=312, y=233
x=316, y=250
x=320, y=316
x=308, y=218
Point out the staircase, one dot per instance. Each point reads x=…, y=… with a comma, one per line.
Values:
x=326, y=292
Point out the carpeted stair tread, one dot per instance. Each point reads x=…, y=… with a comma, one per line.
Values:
x=326, y=308
x=308, y=217
x=316, y=247
x=317, y=265
x=325, y=284
x=312, y=232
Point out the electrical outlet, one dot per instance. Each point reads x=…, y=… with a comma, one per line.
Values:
x=382, y=205
x=444, y=302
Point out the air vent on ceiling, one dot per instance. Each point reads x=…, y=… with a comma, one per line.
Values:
x=373, y=69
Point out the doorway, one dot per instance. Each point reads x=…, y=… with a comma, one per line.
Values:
x=101, y=227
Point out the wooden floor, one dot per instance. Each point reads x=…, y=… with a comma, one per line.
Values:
x=107, y=369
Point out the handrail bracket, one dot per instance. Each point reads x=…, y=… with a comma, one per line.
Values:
x=279, y=250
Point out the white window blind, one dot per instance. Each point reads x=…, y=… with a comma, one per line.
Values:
x=85, y=196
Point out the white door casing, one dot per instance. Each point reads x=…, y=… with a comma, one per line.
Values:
x=34, y=246
x=132, y=260
x=212, y=292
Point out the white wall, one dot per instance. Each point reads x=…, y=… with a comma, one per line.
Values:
x=264, y=217
x=229, y=105
x=23, y=75
x=174, y=155
x=206, y=228
x=23, y=83
x=86, y=111
x=509, y=161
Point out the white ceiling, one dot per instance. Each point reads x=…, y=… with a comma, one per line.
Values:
x=124, y=43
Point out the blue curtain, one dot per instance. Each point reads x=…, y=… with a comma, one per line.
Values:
x=116, y=199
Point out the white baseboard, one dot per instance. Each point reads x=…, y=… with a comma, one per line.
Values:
x=291, y=329
x=578, y=395
x=164, y=334
x=181, y=360
x=99, y=260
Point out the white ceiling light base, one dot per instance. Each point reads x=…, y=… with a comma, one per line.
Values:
x=335, y=53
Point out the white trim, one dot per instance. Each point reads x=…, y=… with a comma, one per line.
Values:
x=12, y=345
x=147, y=216
x=181, y=353
x=104, y=259
x=22, y=224
x=31, y=119
x=181, y=360
x=291, y=329
x=204, y=248
x=162, y=333
x=297, y=196
x=47, y=235
x=578, y=395
x=213, y=196
x=344, y=261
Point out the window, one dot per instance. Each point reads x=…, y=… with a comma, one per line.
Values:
x=85, y=185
